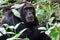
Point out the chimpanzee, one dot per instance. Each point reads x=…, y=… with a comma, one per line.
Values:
x=27, y=13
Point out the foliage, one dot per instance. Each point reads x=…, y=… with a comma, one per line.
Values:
x=44, y=9
x=13, y=31
x=3, y=2
x=16, y=13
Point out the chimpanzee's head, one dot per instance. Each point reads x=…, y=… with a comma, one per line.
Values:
x=27, y=12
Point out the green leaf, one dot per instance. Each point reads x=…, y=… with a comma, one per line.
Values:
x=52, y=26
x=51, y=19
x=58, y=29
x=1, y=34
x=25, y=39
x=16, y=6
x=16, y=13
x=2, y=2
x=14, y=39
x=6, y=25
x=58, y=19
x=2, y=30
x=54, y=33
x=41, y=28
x=6, y=0
x=10, y=32
x=22, y=22
x=39, y=12
x=17, y=35
x=11, y=27
x=16, y=26
x=48, y=32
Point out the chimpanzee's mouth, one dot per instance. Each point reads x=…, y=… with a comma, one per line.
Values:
x=30, y=19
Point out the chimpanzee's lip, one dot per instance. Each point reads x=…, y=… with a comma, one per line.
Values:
x=30, y=19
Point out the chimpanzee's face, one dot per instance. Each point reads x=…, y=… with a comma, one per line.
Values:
x=28, y=13
x=29, y=16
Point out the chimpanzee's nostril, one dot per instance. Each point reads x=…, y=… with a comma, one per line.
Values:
x=30, y=14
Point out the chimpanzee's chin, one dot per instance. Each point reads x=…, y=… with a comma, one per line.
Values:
x=29, y=20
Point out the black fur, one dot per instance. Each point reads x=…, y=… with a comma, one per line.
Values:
x=32, y=33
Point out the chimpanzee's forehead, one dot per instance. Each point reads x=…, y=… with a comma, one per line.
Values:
x=28, y=5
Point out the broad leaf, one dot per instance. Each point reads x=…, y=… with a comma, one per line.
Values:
x=16, y=13
x=1, y=34
x=58, y=19
x=11, y=27
x=54, y=33
x=6, y=25
x=2, y=2
x=16, y=6
x=6, y=0
x=41, y=28
x=51, y=19
x=10, y=32
x=17, y=35
x=26, y=39
x=2, y=30
x=16, y=26
x=14, y=39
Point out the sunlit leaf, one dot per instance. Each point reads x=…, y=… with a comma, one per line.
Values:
x=2, y=30
x=54, y=33
x=39, y=12
x=57, y=26
x=51, y=19
x=17, y=25
x=2, y=2
x=11, y=27
x=10, y=32
x=25, y=39
x=1, y=34
x=41, y=28
x=16, y=6
x=52, y=26
x=14, y=39
x=6, y=25
x=48, y=32
x=17, y=35
x=22, y=22
x=6, y=0
x=58, y=29
x=16, y=13
x=58, y=19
